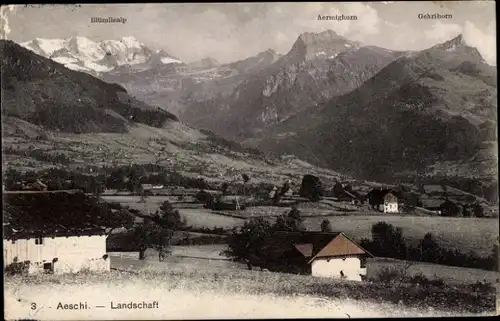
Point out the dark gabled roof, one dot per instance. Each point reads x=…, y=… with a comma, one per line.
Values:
x=281, y=242
x=11, y=234
x=46, y=214
x=381, y=193
x=392, y=191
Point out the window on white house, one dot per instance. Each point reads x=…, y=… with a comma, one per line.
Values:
x=39, y=241
x=48, y=267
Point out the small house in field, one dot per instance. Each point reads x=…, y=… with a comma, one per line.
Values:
x=66, y=243
x=384, y=200
x=432, y=204
x=390, y=203
x=273, y=192
x=35, y=186
x=351, y=197
x=207, y=196
x=319, y=254
x=288, y=193
x=153, y=187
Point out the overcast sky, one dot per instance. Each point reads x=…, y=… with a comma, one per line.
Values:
x=230, y=31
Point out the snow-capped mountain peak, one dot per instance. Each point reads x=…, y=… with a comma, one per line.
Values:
x=131, y=42
x=83, y=54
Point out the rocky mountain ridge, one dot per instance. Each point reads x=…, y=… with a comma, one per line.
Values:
x=318, y=67
x=437, y=105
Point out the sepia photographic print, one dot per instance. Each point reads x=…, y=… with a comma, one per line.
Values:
x=249, y=160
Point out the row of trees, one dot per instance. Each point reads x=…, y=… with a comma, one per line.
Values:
x=40, y=155
x=452, y=209
x=388, y=241
x=121, y=178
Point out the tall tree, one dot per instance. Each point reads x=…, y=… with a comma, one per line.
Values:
x=478, y=210
x=311, y=188
x=449, y=208
x=149, y=234
x=326, y=226
x=224, y=188
x=246, y=179
x=291, y=221
x=246, y=243
x=429, y=248
x=170, y=220
x=388, y=241
x=338, y=190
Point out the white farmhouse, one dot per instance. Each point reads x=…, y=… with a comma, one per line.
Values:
x=342, y=258
x=319, y=254
x=390, y=203
x=39, y=233
x=384, y=200
x=58, y=253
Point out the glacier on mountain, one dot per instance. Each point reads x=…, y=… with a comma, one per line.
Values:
x=83, y=54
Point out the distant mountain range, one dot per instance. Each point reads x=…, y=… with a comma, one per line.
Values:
x=237, y=100
x=83, y=54
x=436, y=105
x=317, y=68
x=367, y=111
x=177, y=89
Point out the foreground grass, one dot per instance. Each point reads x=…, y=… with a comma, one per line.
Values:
x=447, y=299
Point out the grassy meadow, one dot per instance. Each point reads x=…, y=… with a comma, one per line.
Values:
x=209, y=256
x=465, y=234
x=449, y=274
x=193, y=292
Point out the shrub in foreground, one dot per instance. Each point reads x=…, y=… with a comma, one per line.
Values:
x=17, y=268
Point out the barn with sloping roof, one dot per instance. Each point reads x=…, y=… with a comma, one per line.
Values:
x=55, y=231
x=319, y=254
